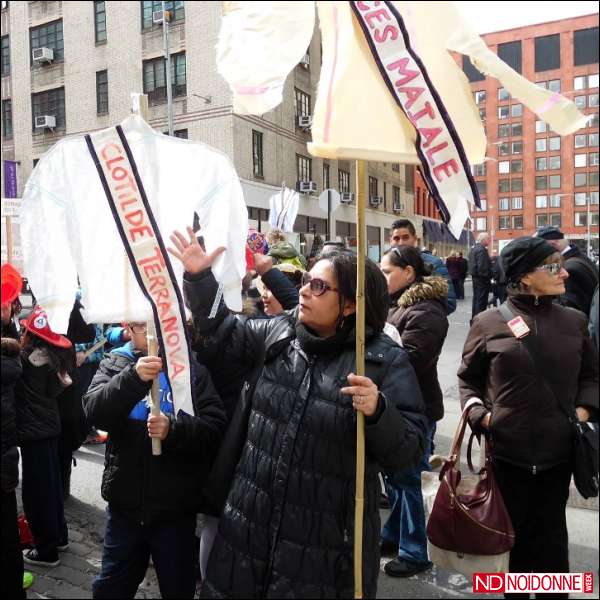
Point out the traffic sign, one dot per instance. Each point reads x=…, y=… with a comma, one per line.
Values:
x=327, y=196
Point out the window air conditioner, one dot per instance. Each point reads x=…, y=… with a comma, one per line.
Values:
x=308, y=187
x=346, y=197
x=375, y=201
x=304, y=121
x=305, y=62
x=158, y=16
x=45, y=122
x=398, y=207
x=42, y=55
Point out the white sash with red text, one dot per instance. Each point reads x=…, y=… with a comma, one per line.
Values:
x=445, y=166
x=147, y=256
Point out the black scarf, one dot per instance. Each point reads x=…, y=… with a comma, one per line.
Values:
x=311, y=343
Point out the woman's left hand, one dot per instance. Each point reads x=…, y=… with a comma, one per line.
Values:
x=365, y=395
x=583, y=414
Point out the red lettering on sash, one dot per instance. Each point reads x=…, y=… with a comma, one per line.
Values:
x=377, y=15
x=156, y=256
x=156, y=282
x=427, y=110
x=432, y=151
x=152, y=269
x=116, y=159
x=429, y=133
x=122, y=173
x=142, y=231
x=412, y=95
x=135, y=218
x=389, y=31
x=176, y=369
x=364, y=6
x=163, y=307
x=445, y=168
x=105, y=150
x=400, y=65
x=170, y=324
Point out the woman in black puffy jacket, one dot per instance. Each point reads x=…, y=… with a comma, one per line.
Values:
x=287, y=527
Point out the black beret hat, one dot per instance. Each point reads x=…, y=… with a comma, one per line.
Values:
x=550, y=233
x=523, y=255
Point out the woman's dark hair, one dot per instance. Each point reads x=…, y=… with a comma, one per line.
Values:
x=61, y=360
x=408, y=256
x=343, y=264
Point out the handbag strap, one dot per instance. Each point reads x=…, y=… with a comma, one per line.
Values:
x=529, y=343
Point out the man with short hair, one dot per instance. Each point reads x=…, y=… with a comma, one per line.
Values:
x=404, y=234
x=480, y=267
x=583, y=274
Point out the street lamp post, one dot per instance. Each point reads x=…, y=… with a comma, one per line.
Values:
x=165, y=24
x=588, y=201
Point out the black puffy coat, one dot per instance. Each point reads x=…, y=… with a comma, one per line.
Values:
x=288, y=524
x=143, y=486
x=419, y=315
x=11, y=372
x=480, y=264
x=582, y=281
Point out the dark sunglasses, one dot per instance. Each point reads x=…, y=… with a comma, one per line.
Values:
x=317, y=286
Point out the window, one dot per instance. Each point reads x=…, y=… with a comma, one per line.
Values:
x=592, y=140
x=503, y=167
x=593, y=81
x=302, y=103
x=554, y=163
x=553, y=144
x=303, y=168
x=470, y=71
x=555, y=220
x=503, y=112
x=580, y=141
x=504, y=185
x=100, y=21
x=593, y=178
x=7, y=129
x=175, y=8
x=554, y=182
x=581, y=160
x=326, y=181
x=516, y=184
x=554, y=85
x=593, y=159
x=155, y=81
x=503, y=149
x=581, y=102
x=541, y=201
x=257, y=154
x=547, y=52
x=580, y=219
x=516, y=166
x=480, y=97
x=540, y=145
x=396, y=167
x=593, y=122
x=516, y=110
x=503, y=203
x=542, y=84
x=517, y=203
x=479, y=170
x=510, y=53
x=483, y=203
x=580, y=199
x=49, y=35
x=5, y=56
x=541, y=164
x=554, y=200
x=481, y=223
x=52, y=103
x=344, y=182
x=517, y=129
x=503, y=131
x=182, y=134
x=541, y=220
x=585, y=42
x=396, y=196
x=517, y=222
x=503, y=94
x=592, y=100
x=540, y=126
x=594, y=198
x=504, y=222
x=579, y=83
x=517, y=147
x=373, y=187
x=481, y=187
x=541, y=182
x=102, y=92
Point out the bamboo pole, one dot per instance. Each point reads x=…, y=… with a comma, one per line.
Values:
x=361, y=248
x=155, y=393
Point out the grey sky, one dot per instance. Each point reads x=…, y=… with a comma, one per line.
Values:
x=496, y=16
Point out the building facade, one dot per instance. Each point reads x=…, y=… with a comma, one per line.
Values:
x=532, y=176
x=70, y=67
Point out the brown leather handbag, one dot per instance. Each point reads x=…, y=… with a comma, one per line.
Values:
x=469, y=529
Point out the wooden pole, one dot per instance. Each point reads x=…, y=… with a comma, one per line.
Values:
x=155, y=393
x=361, y=249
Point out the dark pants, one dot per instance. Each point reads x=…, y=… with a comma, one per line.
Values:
x=537, y=505
x=128, y=546
x=43, y=495
x=481, y=290
x=459, y=289
x=12, y=558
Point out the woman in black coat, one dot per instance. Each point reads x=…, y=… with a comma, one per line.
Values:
x=288, y=524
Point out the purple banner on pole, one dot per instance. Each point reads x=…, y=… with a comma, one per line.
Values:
x=10, y=179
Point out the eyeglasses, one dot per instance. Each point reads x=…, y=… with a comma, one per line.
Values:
x=138, y=327
x=317, y=286
x=552, y=268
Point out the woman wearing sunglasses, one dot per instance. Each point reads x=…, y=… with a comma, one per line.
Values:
x=288, y=523
x=524, y=365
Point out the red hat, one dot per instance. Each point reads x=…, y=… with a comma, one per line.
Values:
x=37, y=323
x=12, y=283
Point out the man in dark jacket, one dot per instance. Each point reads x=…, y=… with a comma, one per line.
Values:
x=583, y=274
x=405, y=234
x=152, y=500
x=480, y=268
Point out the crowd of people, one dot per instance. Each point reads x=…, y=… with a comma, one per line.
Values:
x=269, y=456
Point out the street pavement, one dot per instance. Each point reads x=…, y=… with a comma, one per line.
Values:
x=85, y=513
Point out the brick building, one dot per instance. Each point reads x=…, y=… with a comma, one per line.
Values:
x=532, y=176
